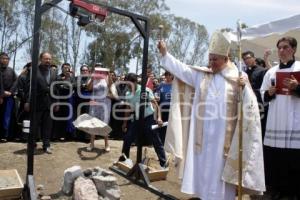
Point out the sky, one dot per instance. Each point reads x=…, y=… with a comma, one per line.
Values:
x=217, y=14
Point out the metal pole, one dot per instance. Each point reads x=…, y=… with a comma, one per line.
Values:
x=39, y=10
x=240, y=116
x=137, y=58
x=33, y=88
x=143, y=90
x=160, y=38
x=29, y=189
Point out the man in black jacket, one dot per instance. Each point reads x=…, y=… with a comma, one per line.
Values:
x=9, y=78
x=256, y=75
x=46, y=76
x=1, y=89
x=23, y=82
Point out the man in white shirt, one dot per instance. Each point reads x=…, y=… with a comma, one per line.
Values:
x=282, y=138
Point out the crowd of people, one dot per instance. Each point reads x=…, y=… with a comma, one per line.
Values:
x=62, y=97
x=203, y=142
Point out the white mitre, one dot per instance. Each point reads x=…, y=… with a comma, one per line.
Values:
x=219, y=44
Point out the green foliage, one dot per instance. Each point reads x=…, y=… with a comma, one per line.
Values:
x=121, y=31
x=113, y=42
x=27, y=16
x=51, y=32
x=111, y=49
x=187, y=40
x=9, y=21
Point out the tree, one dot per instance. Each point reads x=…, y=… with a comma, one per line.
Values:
x=187, y=41
x=28, y=21
x=51, y=30
x=114, y=42
x=9, y=27
x=75, y=37
x=8, y=23
x=118, y=36
x=111, y=49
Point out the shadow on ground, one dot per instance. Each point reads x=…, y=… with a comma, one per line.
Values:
x=84, y=154
x=24, y=152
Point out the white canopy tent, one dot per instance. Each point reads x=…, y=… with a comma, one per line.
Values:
x=265, y=36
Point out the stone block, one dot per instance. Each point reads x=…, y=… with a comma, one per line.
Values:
x=85, y=189
x=107, y=186
x=70, y=175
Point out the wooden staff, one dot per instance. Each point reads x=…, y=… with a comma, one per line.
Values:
x=160, y=38
x=240, y=114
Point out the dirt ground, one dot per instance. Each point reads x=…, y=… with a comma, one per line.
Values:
x=49, y=168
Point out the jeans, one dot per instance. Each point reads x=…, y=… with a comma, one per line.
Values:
x=152, y=135
x=8, y=107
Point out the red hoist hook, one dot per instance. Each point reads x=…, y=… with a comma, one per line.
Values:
x=87, y=12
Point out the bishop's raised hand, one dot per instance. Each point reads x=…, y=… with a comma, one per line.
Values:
x=162, y=47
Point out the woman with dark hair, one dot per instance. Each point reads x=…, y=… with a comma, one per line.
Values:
x=131, y=120
x=260, y=62
x=82, y=97
x=103, y=90
x=63, y=128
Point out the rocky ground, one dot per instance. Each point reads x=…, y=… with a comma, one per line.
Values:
x=49, y=168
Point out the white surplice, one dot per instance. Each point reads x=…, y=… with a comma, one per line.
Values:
x=283, y=122
x=203, y=170
x=203, y=173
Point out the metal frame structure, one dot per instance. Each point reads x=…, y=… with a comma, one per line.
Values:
x=137, y=173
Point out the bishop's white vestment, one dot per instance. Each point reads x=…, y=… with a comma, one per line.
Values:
x=200, y=134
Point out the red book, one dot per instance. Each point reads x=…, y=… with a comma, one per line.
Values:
x=280, y=76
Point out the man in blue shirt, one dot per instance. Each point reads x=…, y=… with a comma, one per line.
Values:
x=163, y=94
